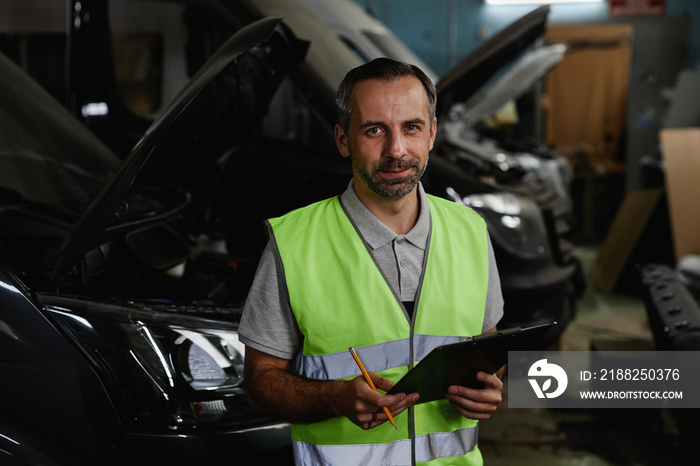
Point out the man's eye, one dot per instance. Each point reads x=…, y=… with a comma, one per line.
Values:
x=374, y=130
x=412, y=127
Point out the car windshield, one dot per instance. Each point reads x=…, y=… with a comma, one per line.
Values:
x=46, y=155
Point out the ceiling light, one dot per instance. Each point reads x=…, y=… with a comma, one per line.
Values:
x=538, y=2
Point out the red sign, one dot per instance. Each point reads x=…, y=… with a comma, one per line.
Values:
x=637, y=8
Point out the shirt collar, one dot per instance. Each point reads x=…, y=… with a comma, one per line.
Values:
x=374, y=232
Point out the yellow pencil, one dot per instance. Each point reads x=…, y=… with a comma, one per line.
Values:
x=371, y=384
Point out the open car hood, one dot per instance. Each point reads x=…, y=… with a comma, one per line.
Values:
x=521, y=77
x=463, y=80
x=248, y=73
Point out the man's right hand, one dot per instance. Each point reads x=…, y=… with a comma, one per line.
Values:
x=270, y=388
x=364, y=406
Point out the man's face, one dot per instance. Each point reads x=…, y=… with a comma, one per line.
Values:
x=389, y=136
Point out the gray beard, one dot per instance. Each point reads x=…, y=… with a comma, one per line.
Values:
x=389, y=189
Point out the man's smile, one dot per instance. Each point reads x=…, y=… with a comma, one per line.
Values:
x=394, y=168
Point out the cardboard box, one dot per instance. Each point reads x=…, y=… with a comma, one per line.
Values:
x=681, y=155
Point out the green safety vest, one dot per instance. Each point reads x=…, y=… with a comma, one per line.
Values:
x=340, y=299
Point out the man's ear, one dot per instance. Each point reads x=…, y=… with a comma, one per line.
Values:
x=341, y=141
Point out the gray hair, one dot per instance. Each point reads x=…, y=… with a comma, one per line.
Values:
x=384, y=69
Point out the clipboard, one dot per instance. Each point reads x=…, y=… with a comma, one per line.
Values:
x=458, y=363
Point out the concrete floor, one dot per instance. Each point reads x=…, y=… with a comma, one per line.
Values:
x=586, y=437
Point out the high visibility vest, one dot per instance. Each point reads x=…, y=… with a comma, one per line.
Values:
x=340, y=299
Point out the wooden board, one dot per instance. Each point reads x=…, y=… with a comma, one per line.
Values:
x=623, y=235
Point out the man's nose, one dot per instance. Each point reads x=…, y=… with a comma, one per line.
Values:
x=395, y=144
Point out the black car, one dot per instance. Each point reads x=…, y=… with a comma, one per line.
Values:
x=119, y=300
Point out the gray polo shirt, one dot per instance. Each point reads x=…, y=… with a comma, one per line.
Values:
x=268, y=323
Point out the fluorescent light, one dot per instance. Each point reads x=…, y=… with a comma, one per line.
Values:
x=94, y=109
x=538, y=2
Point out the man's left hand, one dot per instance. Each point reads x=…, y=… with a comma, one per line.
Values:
x=476, y=403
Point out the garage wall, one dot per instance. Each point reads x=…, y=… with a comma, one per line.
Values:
x=443, y=31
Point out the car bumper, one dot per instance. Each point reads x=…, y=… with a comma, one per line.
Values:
x=261, y=444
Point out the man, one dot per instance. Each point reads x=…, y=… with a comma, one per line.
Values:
x=383, y=268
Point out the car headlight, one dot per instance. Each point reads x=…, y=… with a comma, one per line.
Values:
x=164, y=370
x=515, y=222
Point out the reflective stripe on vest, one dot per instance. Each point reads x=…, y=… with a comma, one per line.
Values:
x=340, y=298
x=384, y=355
x=428, y=447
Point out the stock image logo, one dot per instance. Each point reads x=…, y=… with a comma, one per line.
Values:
x=546, y=372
